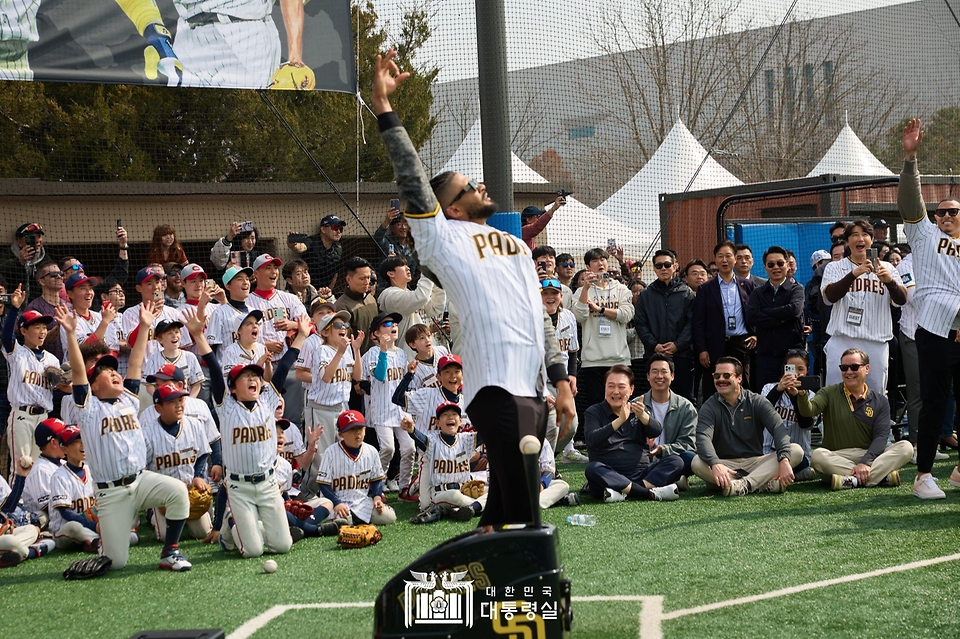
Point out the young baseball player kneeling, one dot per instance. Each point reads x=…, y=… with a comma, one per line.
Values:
x=351, y=476
x=446, y=467
x=71, y=499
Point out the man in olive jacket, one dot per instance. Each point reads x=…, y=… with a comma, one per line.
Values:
x=675, y=414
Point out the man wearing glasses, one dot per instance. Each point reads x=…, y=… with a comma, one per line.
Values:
x=489, y=277
x=730, y=429
x=775, y=312
x=30, y=253
x=50, y=278
x=664, y=321
x=566, y=269
x=935, y=249
x=856, y=423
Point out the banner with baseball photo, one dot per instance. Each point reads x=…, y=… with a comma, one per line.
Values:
x=229, y=44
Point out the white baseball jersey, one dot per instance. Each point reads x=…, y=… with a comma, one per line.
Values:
x=294, y=446
x=350, y=477
x=36, y=489
x=448, y=463
x=69, y=491
x=234, y=354
x=112, y=438
x=173, y=456
x=184, y=360
x=548, y=459
x=784, y=408
x=85, y=327
x=223, y=324
x=27, y=385
x=426, y=374
x=491, y=281
x=131, y=320
x=198, y=409
x=249, y=434
x=243, y=9
x=284, y=474
x=937, y=270
x=864, y=312
x=18, y=20
x=113, y=336
x=276, y=306
x=381, y=411
x=316, y=359
x=68, y=410
x=566, y=329
x=422, y=406
x=908, y=317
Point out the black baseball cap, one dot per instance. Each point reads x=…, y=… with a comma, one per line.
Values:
x=332, y=220
x=532, y=211
x=384, y=317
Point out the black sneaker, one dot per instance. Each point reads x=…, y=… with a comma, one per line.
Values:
x=297, y=533
x=329, y=529
x=9, y=559
x=570, y=499
x=462, y=513
x=428, y=516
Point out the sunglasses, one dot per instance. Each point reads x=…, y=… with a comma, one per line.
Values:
x=472, y=185
x=663, y=265
x=388, y=324
x=54, y=274
x=567, y=264
x=723, y=375
x=851, y=367
x=344, y=324
x=950, y=212
x=75, y=268
x=777, y=263
x=548, y=284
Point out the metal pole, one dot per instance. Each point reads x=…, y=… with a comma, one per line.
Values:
x=494, y=102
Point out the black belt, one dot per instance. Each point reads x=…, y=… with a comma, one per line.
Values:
x=739, y=338
x=123, y=481
x=205, y=18
x=32, y=410
x=253, y=479
x=442, y=487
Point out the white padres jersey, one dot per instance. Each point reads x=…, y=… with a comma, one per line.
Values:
x=489, y=278
x=316, y=361
x=294, y=446
x=234, y=354
x=284, y=474
x=548, y=459
x=381, y=411
x=350, y=477
x=908, y=317
x=198, y=409
x=85, y=327
x=131, y=319
x=422, y=406
x=868, y=295
x=185, y=361
x=27, y=385
x=69, y=491
x=279, y=305
x=566, y=329
x=310, y=344
x=223, y=325
x=448, y=463
x=18, y=20
x=937, y=271
x=69, y=414
x=113, y=337
x=784, y=408
x=173, y=456
x=243, y=9
x=112, y=438
x=426, y=374
x=249, y=434
x=36, y=489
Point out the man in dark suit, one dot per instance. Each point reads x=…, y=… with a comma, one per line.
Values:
x=745, y=264
x=775, y=313
x=720, y=317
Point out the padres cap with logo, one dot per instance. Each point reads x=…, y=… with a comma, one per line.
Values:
x=448, y=360
x=148, y=273
x=47, y=430
x=265, y=259
x=75, y=280
x=240, y=368
x=350, y=419
x=191, y=271
x=445, y=406
x=69, y=434
x=167, y=392
x=167, y=373
x=32, y=317
x=233, y=271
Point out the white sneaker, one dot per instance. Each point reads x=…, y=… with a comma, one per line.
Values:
x=612, y=496
x=176, y=562
x=134, y=538
x=575, y=456
x=391, y=486
x=955, y=478
x=772, y=486
x=737, y=488
x=927, y=488
x=938, y=456
x=669, y=492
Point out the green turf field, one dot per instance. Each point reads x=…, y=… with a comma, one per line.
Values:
x=699, y=550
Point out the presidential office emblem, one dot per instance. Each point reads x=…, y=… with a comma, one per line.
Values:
x=449, y=602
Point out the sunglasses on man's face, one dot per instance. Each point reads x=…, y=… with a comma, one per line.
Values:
x=950, y=212
x=850, y=367
x=472, y=185
x=567, y=264
x=389, y=324
x=777, y=263
x=723, y=375
x=75, y=267
x=663, y=265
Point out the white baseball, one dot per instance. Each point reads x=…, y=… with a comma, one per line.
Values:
x=270, y=566
x=529, y=445
x=26, y=462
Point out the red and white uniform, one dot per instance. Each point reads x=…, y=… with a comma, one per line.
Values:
x=275, y=305
x=131, y=320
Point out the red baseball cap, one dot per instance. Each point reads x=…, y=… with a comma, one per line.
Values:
x=167, y=373
x=445, y=406
x=166, y=392
x=239, y=368
x=32, y=317
x=48, y=430
x=447, y=360
x=69, y=434
x=104, y=361
x=350, y=419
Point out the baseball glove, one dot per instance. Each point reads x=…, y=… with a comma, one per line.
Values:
x=91, y=515
x=293, y=77
x=56, y=376
x=473, y=488
x=358, y=536
x=7, y=526
x=200, y=503
x=298, y=509
x=88, y=568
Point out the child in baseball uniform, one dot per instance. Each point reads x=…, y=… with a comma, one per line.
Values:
x=247, y=349
x=420, y=341
x=225, y=319
x=29, y=390
x=553, y=490
x=150, y=284
x=21, y=541
x=107, y=406
x=383, y=367
x=73, y=498
x=36, y=491
x=308, y=518
x=168, y=334
x=91, y=325
x=351, y=476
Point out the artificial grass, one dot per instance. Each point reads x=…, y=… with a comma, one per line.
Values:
x=698, y=550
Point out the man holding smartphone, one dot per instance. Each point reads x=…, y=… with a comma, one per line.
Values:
x=860, y=290
x=322, y=253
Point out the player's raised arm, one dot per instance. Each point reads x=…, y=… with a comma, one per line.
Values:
x=68, y=321
x=135, y=363
x=909, y=199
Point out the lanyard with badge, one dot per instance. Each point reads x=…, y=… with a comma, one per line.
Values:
x=855, y=313
x=604, y=325
x=729, y=303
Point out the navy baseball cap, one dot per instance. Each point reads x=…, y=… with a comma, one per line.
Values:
x=75, y=280
x=165, y=325
x=256, y=314
x=104, y=361
x=332, y=220
x=880, y=224
x=47, y=430
x=532, y=211
x=148, y=273
x=167, y=373
x=28, y=228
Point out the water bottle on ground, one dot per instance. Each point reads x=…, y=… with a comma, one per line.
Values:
x=582, y=520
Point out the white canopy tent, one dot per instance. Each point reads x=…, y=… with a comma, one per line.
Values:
x=849, y=156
